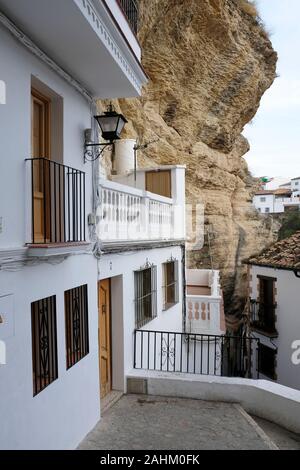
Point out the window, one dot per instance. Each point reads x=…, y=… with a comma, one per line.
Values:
x=267, y=210
x=145, y=296
x=264, y=318
x=267, y=361
x=77, y=324
x=44, y=343
x=296, y=183
x=262, y=199
x=170, y=284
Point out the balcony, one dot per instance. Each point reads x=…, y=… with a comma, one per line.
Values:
x=205, y=310
x=56, y=205
x=263, y=318
x=131, y=10
x=104, y=58
x=130, y=214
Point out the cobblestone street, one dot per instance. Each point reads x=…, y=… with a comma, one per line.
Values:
x=158, y=423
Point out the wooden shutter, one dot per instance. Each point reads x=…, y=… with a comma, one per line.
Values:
x=159, y=182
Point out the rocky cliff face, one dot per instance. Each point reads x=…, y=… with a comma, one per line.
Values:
x=209, y=62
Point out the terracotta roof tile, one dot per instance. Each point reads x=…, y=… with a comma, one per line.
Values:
x=284, y=254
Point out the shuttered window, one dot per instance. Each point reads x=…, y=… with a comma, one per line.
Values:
x=170, y=284
x=44, y=343
x=76, y=316
x=145, y=295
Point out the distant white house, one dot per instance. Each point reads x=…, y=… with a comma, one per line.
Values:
x=276, y=182
x=277, y=201
x=274, y=283
x=295, y=186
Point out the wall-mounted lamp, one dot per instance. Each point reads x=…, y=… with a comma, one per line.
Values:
x=111, y=124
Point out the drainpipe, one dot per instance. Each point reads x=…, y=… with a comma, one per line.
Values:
x=183, y=262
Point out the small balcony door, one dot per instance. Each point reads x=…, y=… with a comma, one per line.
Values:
x=104, y=334
x=40, y=148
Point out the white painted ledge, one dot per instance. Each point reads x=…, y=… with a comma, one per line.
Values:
x=262, y=398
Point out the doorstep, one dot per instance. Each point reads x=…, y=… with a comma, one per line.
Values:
x=109, y=400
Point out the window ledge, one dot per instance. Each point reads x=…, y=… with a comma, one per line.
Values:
x=58, y=249
x=169, y=306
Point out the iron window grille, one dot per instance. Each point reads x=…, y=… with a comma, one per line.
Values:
x=145, y=295
x=44, y=343
x=170, y=284
x=267, y=361
x=76, y=317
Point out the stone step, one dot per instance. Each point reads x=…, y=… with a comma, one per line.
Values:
x=284, y=439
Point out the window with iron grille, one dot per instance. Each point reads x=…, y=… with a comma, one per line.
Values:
x=267, y=361
x=77, y=324
x=44, y=343
x=170, y=284
x=145, y=295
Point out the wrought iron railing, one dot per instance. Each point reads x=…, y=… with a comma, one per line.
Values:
x=57, y=202
x=263, y=317
x=131, y=10
x=229, y=356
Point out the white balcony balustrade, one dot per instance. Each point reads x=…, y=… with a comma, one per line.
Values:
x=204, y=302
x=129, y=214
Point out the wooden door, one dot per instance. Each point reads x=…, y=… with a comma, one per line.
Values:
x=104, y=334
x=159, y=182
x=40, y=148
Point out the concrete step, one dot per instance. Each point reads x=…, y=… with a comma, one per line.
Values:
x=285, y=440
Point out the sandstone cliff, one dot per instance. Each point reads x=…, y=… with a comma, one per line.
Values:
x=209, y=62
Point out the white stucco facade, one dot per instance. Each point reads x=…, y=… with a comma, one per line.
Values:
x=120, y=268
x=62, y=413
x=287, y=321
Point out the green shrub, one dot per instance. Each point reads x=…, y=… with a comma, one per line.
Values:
x=290, y=224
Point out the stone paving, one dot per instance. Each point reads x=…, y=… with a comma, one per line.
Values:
x=160, y=423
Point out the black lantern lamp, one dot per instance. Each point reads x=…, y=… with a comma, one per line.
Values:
x=111, y=124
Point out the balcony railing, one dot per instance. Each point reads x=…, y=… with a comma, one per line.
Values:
x=131, y=10
x=127, y=213
x=57, y=202
x=229, y=356
x=262, y=317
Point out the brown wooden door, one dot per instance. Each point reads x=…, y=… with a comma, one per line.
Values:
x=104, y=334
x=159, y=182
x=40, y=148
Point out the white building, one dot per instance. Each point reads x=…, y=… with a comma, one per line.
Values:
x=274, y=281
x=57, y=59
x=295, y=186
x=276, y=201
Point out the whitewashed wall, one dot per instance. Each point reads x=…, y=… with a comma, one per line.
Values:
x=65, y=411
x=288, y=321
x=122, y=266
